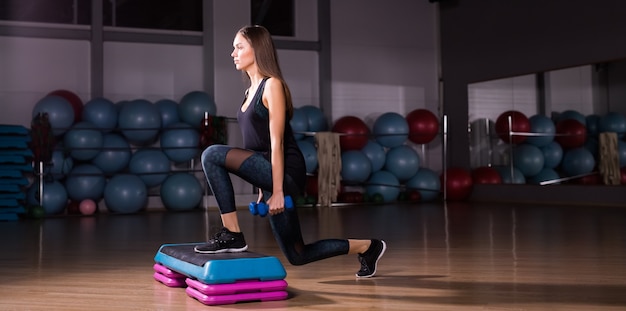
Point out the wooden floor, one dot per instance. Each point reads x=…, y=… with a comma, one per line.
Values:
x=454, y=257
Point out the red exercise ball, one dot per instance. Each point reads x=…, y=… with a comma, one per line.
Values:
x=458, y=183
x=570, y=134
x=311, y=188
x=88, y=207
x=623, y=175
x=519, y=123
x=591, y=179
x=357, y=133
x=75, y=101
x=423, y=126
x=486, y=175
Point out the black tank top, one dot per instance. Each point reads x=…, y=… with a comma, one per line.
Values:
x=255, y=129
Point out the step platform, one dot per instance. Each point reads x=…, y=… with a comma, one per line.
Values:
x=219, y=268
x=241, y=291
x=168, y=277
x=213, y=300
x=14, y=142
x=11, y=129
x=218, y=279
x=237, y=287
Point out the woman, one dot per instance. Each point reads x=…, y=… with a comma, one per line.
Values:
x=271, y=161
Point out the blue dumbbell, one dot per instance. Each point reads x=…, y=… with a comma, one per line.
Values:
x=262, y=208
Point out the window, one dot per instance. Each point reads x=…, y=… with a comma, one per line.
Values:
x=47, y=11
x=154, y=14
x=275, y=15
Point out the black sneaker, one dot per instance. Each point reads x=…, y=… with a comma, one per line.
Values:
x=369, y=259
x=224, y=241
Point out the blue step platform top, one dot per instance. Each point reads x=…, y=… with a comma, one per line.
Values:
x=26, y=167
x=11, y=213
x=18, y=159
x=9, y=188
x=11, y=138
x=8, y=217
x=16, y=152
x=14, y=162
x=11, y=143
x=219, y=268
x=13, y=210
x=13, y=129
x=13, y=195
x=21, y=181
x=10, y=173
x=9, y=203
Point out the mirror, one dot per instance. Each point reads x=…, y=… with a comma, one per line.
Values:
x=557, y=127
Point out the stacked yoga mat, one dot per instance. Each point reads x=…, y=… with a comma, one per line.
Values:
x=217, y=279
x=14, y=163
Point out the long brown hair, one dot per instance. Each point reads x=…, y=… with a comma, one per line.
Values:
x=266, y=58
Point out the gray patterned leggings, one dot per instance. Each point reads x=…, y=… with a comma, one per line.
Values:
x=220, y=160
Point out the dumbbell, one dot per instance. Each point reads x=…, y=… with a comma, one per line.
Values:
x=262, y=208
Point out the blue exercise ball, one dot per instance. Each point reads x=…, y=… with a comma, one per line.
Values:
x=299, y=123
x=83, y=140
x=592, y=123
x=541, y=125
x=193, y=106
x=179, y=142
x=151, y=165
x=181, y=192
x=571, y=114
x=169, y=112
x=125, y=194
x=578, y=161
x=510, y=176
x=85, y=181
x=528, y=159
x=376, y=153
x=545, y=175
x=310, y=155
x=613, y=122
x=552, y=154
x=310, y=139
x=385, y=184
x=355, y=166
x=59, y=110
x=593, y=145
x=391, y=129
x=60, y=165
x=316, y=120
x=402, y=161
x=115, y=154
x=140, y=121
x=102, y=113
x=54, y=196
x=427, y=183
